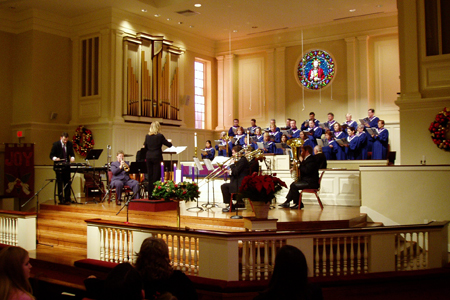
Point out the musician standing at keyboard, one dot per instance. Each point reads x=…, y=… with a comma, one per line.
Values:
x=62, y=152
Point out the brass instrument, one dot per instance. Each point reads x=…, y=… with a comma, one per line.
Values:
x=125, y=166
x=295, y=144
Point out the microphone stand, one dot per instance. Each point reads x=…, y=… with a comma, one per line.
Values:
x=197, y=207
x=126, y=204
x=37, y=207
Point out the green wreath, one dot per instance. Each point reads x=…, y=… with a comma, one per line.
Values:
x=82, y=140
x=439, y=128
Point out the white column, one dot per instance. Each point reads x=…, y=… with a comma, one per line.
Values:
x=280, y=86
x=220, y=94
x=352, y=78
x=228, y=91
x=363, y=65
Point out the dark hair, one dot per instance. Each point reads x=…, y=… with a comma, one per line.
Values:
x=237, y=148
x=351, y=128
x=372, y=110
x=153, y=259
x=12, y=276
x=123, y=283
x=329, y=132
x=64, y=135
x=308, y=148
x=253, y=120
x=208, y=141
x=312, y=113
x=290, y=275
x=339, y=125
x=382, y=121
x=236, y=120
x=330, y=113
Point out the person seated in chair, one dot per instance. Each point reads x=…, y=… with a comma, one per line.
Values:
x=308, y=178
x=237, y=171
x=120, y=178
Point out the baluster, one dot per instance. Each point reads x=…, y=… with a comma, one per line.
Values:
x=2, y=230
x=324, y=257
x=126, y=257
x=15, y=232
x=258, y=260
x=102, y=246
x=179, y=252
x=345, y=258
x=352, y=256
x=266, y=260
x=338, y=257
x=410, y=254
x=196, y=256
x=244, y=259
x=121, y=232
x=106, y=244
x=111, y=244
x=8, y=222
x=358, y=255
x=317, y=258
x=399, y=252
x=425, y=249
x=366, y=254
x=331, y=257
x=116, y=246
x=251, y=261
x=184, y=254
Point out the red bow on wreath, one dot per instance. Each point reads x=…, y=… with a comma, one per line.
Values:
x=83, y=140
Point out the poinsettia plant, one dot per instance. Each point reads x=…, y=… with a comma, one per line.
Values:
x=260, y=187
x=185, y=191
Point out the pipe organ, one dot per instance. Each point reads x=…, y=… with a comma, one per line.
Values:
x=151, y=79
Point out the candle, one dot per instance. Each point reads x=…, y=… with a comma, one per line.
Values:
x=162, y=172
x=195, y=139
x=181, y=174
x=193, y=174
x=248, y=139
x=175, y=173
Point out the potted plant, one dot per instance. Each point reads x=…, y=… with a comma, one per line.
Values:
x=261, y=190
x=171, y=191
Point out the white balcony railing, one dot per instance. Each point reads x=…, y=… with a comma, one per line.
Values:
x=18, y=229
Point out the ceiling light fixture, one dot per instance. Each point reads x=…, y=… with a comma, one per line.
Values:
x=157, y=15
x=143, y=10
x=235, y=30
x=191, y=26
x=179, y=23
x=198, y=5
x=169, y=19
x=352, y=10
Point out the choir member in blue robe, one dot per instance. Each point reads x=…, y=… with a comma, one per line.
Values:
x=269, y=147
x=338, y=132
x=252, y=128
x=294, y=132
x=373, y=123
x=257, y=138
x=273, y=122
x=312, y=116
x=349, y=122
x=352, y=146
x=362, y=142
x=315, y=132
x=326, y=149
x=208, y=152
x=306, y=140
x=240, y=139
x=288, y=124
x=330, y=121
x=223, y=143
x=283, y=142
x=380, y=142
x=275, y=136
x=233, y=129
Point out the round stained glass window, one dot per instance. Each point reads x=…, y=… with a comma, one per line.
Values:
x=315, y=70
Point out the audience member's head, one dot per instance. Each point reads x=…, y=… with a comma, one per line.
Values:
x=153, y=260
x=123, y=283
x=15, y=270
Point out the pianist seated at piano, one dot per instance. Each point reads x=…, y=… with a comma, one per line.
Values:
x=62, y=154
x=120, y=177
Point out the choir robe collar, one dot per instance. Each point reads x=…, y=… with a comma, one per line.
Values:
x=380, y=129
x=350, y=138
x=370, y=119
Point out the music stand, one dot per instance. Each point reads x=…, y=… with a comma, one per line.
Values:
x=138, y=167
x=94, y=154
x=210, y=168
x=173, y=150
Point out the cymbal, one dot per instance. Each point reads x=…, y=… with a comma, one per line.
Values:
x=128, y=155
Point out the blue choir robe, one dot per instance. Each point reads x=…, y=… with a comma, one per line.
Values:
x=224, y=151
x=211, y=152
x=305, y=125
x=373, y=124
x=251, y=130
x=340, y=135
x=231, y=131
x=317, y=134
x=352, y=147
x=309, y=142
x=331, y=125
x=240, y=140
x=280, y=151
x=269, y=147
x=295, y=133
x=380, y=144
x=275, y=136
x=352, y=123
x=259, y=139
x=339, y=153
x=362, y=145
x=329, y=151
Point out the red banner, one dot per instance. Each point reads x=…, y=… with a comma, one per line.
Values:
x=19, y=170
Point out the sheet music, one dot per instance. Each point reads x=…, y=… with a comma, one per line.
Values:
x=198, y=164
x=220, y=159
x=372, y=131
x=260, y=145
x=177, y=150
x=208, y=164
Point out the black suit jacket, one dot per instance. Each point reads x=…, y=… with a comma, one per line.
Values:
x=321, y=160
x=309, y=172
x=238, y=171
x=153, y=145
x=58, y=151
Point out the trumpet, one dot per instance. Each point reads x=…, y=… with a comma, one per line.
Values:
x=125, y=166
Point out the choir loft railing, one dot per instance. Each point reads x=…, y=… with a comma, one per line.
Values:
x=18, y=229
x=249, y=256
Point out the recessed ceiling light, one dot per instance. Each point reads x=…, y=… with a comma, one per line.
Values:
x=157, y=15
x=235, y=30
x=143, y=10
x=198, y=5
x=169, y=19
x=352, y=10
x=179, y=23
x=191, y=26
